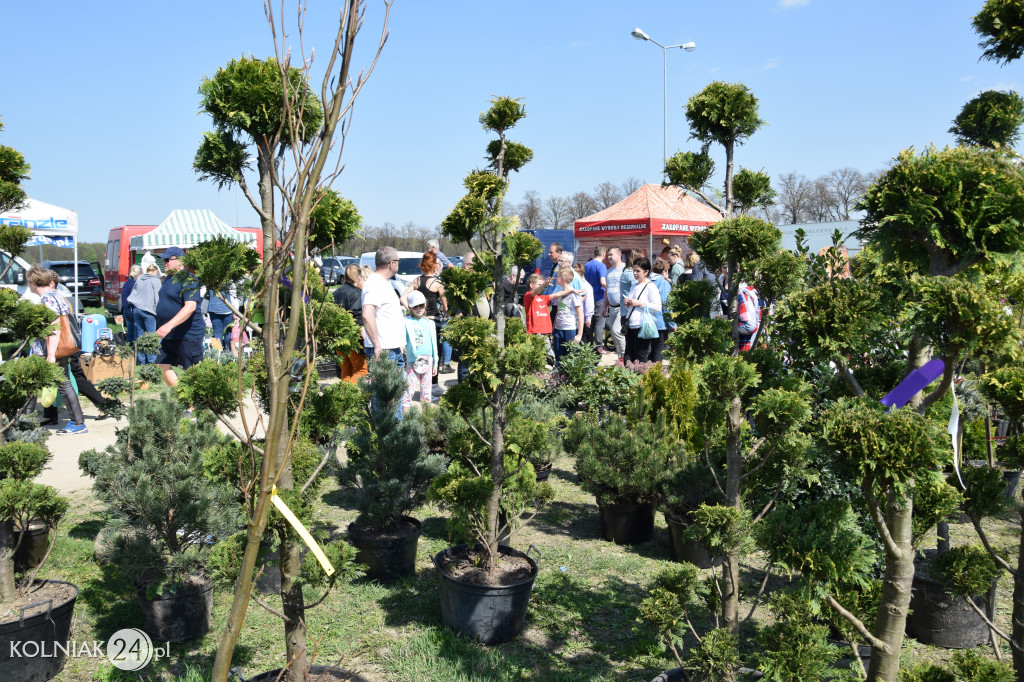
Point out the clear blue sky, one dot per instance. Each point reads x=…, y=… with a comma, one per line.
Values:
x=101, y=97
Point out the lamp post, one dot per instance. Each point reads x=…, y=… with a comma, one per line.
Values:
x=639, y=34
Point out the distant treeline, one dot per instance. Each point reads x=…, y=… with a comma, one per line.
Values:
x=87, y=251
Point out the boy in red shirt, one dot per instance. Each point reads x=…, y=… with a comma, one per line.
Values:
x=538, y=306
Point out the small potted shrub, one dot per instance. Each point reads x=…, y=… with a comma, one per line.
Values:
x=165, y=513
x=534, y=426
x=685, y=491
x=624, y=462
x=390, y=468
x=34, y=612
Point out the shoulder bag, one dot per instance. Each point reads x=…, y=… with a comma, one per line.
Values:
x=69, y=342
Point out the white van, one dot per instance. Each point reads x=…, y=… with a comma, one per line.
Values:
x=15, y=278
x=408, y=265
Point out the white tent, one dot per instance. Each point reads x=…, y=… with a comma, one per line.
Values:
x=186, y=228
x=49, y=224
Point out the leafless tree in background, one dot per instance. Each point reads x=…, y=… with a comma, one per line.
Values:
x=631, y=185
x=557, y=210
x=531, y=211
x=848, y=185
x=792, y=205
x=580, y=205
x=606, y=194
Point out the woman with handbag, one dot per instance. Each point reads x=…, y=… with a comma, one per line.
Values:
x=41, y=283
x=643, y=298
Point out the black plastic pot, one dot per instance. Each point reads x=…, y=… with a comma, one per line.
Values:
x=33, y=546
x=626, y=524
x=33, y=648
x=337, y=673
x=488, y=614
x=542, y=471
x=942, y=619
x=390, y=556
x=177, y=617
x=684, y=550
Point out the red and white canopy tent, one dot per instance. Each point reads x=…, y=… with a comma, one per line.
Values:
x=666, y=214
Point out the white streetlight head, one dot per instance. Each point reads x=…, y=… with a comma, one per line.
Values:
x=689, y=47
x=639, y=34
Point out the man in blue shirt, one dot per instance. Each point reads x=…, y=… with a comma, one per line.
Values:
x=179, y=320
x=596, y=274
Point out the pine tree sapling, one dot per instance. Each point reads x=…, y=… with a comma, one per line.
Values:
x=164, y=511
x=388, y=462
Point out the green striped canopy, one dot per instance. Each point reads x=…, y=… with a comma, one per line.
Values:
x=186, y=228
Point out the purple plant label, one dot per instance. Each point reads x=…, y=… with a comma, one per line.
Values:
x=914, y=383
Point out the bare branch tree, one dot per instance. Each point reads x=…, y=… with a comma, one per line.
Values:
x=557, y=210
x=531, y=211
x=631, y=185
x=580, y=205
x=606, y=194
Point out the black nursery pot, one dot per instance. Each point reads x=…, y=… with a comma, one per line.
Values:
x=388, y=556
x=943, y=619
x=177, y=617
x=489, y=614
x=34, y=648
x=691, y=551
x=626, y=524
x=33, y=546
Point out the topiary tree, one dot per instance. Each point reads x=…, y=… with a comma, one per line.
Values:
x=23, y=502
x=267, y=117
x=727, y=114
x=499, y=354
x=1000, y=23
x=931, y=221
x=991, y=119
x=734, y=387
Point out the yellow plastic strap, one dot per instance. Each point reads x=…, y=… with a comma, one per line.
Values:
x=301, y=530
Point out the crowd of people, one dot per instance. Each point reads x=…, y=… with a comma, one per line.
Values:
x=623, y=293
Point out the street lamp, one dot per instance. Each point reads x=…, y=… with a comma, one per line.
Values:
x=639, y=34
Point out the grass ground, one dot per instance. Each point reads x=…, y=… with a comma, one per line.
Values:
x=581, y=624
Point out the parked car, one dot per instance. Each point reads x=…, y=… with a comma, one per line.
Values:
x=408, y=265
x=89, y=283
x=333, y=270
x=456, y=261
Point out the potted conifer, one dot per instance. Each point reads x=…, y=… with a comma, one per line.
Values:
x=391, y=469
x=33, y=612
x=165, y=513
x=489, y=484
x=624, y=461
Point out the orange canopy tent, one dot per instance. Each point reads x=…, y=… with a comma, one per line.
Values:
x=666, y=213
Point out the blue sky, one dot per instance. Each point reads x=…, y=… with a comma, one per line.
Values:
x=102, y=97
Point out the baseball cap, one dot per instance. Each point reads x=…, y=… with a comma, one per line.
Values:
x=416, y=298
x=172, y=252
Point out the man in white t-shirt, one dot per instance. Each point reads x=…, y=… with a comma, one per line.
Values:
x=383, y=319
x=613, y=300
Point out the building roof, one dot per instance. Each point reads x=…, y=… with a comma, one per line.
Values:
x=670, y=204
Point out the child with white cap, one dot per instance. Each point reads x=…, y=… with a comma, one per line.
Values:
x=420, y=350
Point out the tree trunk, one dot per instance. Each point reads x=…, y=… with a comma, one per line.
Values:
x=8, y=589
x=729, y=150
x=1017, y=615
x=497, y=402
x=292, y=604
x=896, y=586
x=734, y=464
